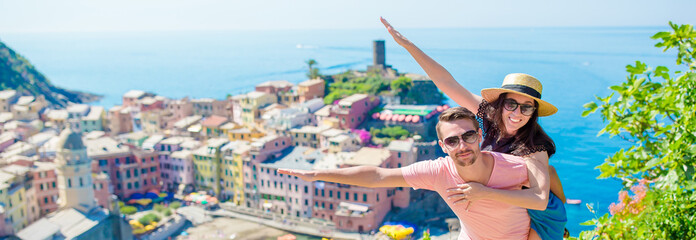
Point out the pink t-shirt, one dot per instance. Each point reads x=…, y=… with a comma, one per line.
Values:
x=485, y=218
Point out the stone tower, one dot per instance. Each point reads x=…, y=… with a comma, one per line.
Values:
x=378, y=54
x=74, y=173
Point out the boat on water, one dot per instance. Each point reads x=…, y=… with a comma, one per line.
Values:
x=573, y=201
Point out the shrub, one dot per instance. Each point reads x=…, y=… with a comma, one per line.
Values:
x=175, y=205
x=655, y=110
x=128, y=210
x=158, y=208
x=147, y=219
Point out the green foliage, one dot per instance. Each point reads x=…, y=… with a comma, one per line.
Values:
x=312, y=72
x=175, y=205
x=128, y=210
x=17, y=73
x=401, y=86
x=347, y=84
x=121, y=204
x=396, y=132
x=659, y=215
x=159, y=208
x=167, y=212
x=654, y=109
x=150, y=217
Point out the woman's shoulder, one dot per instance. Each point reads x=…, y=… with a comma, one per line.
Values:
x=541, y=145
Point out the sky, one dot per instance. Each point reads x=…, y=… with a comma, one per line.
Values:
x=175, y=15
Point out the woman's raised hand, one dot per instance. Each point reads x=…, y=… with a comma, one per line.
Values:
x=302, y=174
x=400, y=39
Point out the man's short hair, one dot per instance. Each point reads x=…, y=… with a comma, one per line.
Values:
x=454, y=114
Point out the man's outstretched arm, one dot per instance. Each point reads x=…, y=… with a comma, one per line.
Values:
x=364, y=176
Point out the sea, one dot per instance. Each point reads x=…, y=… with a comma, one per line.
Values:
x=574, y=65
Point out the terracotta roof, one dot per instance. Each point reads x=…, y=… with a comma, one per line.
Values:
x=214, y=121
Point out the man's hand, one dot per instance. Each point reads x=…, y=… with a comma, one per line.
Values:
x=467, y=192
x=304, y=175
x=400, y=39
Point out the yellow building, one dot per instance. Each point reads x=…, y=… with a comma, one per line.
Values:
x=12, y=202
x=252, y=102
x=207, y=165
x=244, y=134
x=238, y=157
x=307, y=136
x=212, y=126
x=232, y=171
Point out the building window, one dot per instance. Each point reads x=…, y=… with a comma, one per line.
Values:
x=69, y=184
x=81, y=183
x=338, y=195
x=364, y=197
x=355, y=197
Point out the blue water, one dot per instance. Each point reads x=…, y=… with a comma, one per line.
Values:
x=574, y=64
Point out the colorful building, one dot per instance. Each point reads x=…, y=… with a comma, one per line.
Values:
x=120, y=120
x=251, y=104
x=231, y=170
x=268, y=147
x=207, y=165
x=212, y=126
x=286, y=194
x=45, y=179
x=12, y=203
x=307, y=136
x=80, y=217
x=130, y=98
x=352, y=111
x=130, y=170
x=180, y=176
x=7, y=98
x=176, y=166
x=311, y=89
x=95, y=120
x=208, y=106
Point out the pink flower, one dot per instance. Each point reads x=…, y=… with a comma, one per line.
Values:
x=623, y=195
x=615, y=208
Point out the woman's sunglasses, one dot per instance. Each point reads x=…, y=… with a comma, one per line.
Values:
x=454, y=141
x=526, y=109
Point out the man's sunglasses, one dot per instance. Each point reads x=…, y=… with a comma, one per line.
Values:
x=526, y=109
x=454, y=141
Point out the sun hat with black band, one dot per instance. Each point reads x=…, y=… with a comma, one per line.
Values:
x=522, y=84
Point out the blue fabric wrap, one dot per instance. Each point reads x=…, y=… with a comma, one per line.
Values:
x=550, y=223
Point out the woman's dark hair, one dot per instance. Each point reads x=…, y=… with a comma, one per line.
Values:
x=529, y=138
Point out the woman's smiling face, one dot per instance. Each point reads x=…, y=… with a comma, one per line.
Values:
x=514, y=120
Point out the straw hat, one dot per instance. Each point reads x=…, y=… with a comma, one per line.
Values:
x=523, y=84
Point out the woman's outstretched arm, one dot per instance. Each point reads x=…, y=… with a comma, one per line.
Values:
x=440, y=76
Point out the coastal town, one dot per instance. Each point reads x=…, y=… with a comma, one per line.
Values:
x=89, y=172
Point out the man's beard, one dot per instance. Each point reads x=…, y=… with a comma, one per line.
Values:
x=465, y=160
